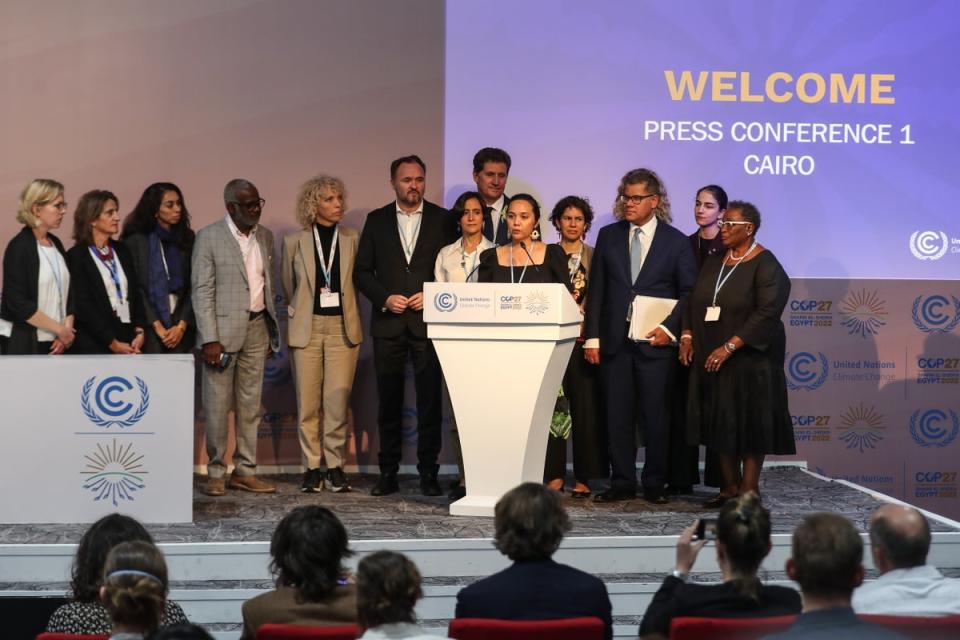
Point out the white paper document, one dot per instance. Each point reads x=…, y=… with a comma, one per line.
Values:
x=646, y=314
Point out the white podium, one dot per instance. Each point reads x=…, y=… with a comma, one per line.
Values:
x=503, y=349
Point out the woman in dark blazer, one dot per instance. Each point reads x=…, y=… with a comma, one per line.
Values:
x=36, y=281
x=108, y=309
x=157, y=232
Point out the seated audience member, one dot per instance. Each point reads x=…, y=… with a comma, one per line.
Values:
x=827, y=563
x=308, y=549
x=907, y=586
x=134, y=589
x=388, y=587
x=743, y=541
x=529, y=522
x=85, y=614
x=184, y=631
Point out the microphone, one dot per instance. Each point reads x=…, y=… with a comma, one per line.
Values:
x=523, y=245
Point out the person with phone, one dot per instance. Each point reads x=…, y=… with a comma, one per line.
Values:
x=742, y=534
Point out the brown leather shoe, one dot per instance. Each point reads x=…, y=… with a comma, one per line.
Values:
x=215, y=487
x=252, y=484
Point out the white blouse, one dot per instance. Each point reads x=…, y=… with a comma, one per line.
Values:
x=53, y=284
x=454, y=264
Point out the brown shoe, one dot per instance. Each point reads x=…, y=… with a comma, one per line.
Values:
x=251, y=483
x=215, y=487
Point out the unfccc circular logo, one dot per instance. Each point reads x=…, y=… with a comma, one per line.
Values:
x=445, y=301
x=929, y=245
x=806, y=371
x=933, y=427
x=108, y=405
x=936, y=313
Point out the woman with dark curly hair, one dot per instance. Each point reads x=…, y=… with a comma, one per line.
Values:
x=529, y=523
x=157, y=232
x=85, y=614
x=313, y=587
x=388, y=587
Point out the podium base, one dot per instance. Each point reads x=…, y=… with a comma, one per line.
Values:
x=474, y=506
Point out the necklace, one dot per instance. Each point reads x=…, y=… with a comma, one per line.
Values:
x=737, y=260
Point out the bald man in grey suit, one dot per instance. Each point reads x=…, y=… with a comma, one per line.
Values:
x=236, y=330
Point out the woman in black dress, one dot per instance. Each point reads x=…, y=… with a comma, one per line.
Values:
x=734, y=338
x=157, y=232
x=109, y=315
x=572, y=217
x=524, y=260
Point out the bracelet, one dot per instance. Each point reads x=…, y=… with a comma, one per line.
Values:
x=138, y=331
x=686, y=337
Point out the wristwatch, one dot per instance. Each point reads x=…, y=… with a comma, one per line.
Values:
x=730, y=347
x=680, y=575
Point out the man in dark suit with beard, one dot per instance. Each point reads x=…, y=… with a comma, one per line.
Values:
x=397, y=251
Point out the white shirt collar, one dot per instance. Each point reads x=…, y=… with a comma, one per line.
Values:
x=236, y=232
x=648, y=228
x=498, y=205
x=418, y=210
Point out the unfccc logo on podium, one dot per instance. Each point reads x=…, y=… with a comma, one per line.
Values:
x=806, y=371
x=445, y=301
x=108, y=404
x=929, y=245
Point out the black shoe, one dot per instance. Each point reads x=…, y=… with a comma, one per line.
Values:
x=655, y=496
x=429, y=485
x=680, y=489
x=615, y=494
x=716, y=501
x=312, y=481
x=456, y=492
x=337, y=480
x=386, y=485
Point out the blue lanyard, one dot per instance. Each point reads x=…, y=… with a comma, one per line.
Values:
x=111, y=265
x=522, y=273
x=326, y=267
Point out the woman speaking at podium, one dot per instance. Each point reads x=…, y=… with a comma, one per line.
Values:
x=459, y=262
x=524, y=260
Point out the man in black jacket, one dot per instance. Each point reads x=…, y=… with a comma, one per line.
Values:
x=397, y=252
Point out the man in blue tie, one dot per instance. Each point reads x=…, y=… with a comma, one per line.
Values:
x=640, y=255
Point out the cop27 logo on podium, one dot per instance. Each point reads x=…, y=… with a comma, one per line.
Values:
x=107, y=405
x=114, y=472
x=933, y=427
x=936, y=314
x=806, y=371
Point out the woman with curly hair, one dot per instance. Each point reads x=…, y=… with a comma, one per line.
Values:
x=313, y=587
x=388, y=587
x=85, y=614
x=157, y=232
x=323, y=330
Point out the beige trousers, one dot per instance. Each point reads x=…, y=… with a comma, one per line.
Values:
x=324, y=371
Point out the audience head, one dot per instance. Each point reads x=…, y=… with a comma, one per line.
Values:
x=899, y=538
x=161, y=204
x=103, y=535
x=388, y=587
x=408, y=177
x=468, y=212
x=322, y=199
x=491, y=167
x=648, y=185
x=95, y=208
x=134, y=586
x=39, y=201
x=743, y=539
x=529, y=522
x=710, y=204
x=827, y=557
x=243, y=202
x=568, y=208
x=182, y=631
x=308, y=548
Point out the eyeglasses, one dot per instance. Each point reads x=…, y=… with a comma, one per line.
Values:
x=729, y=224
x=62, y=206
x=624, y=198
x=251, y=206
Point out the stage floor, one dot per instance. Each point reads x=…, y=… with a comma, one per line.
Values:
x=789, y=492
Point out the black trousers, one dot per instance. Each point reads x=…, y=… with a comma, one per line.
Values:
x=390, y=358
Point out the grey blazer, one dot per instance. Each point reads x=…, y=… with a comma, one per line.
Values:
x=221, y=294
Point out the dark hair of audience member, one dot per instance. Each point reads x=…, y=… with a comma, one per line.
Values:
x=143, y=218
x=388, y=587
x=308, y=548
x=718, y=194
x=900, y=548
x=490, y=154
x=461, y=203
x=529, y=522
x=577, y=203
x=404, y=160
x=827, y=553
x=135, y=585
x=526, y=197
x=182, y=631
x=89, y=207
x=743, y=527
x=103, y=535
x=749, y=212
